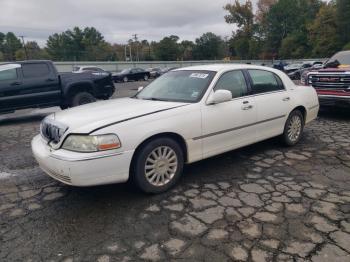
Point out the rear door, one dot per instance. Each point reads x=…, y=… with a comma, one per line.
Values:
x=41, y=84
x=272, y=101
x=10, y=86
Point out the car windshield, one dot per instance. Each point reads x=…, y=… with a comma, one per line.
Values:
x=343, y=58
x=125, y=71
x=178, y=86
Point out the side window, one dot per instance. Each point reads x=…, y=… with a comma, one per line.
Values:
x=8, y=74
x=234, y=82
x=265, y=81
x=35, y=70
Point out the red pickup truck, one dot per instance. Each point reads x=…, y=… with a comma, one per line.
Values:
x=332, y=81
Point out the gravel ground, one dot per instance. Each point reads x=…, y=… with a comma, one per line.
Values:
x=264, y=202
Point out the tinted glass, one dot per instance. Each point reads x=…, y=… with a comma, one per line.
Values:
x=264, y=81
x=342, y=57
x=181, y=86
x=35, y=70
x=234, y=82
x=9, y=74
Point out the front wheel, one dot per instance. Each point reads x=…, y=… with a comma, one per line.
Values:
x=82, y=98
x=158, y=165
x=293, y=128
x=125, y=79
x=145, y=77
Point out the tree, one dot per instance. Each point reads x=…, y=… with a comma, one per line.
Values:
x=78, y=44
x=186, y=50
x=323, y=32
x=167, y=49
x=242, y=16
x=343, y=20
x=9, y=44
x=245, y=42
x=208, y=47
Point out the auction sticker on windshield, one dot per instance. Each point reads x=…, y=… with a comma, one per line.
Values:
x=199, y=75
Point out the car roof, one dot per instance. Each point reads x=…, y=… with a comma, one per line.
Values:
x=224, y=67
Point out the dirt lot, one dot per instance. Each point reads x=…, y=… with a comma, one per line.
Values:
x=260, y=203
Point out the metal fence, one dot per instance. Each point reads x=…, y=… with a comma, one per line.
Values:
x=118, y=66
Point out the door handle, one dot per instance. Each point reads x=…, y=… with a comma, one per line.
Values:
x=247, y=107
x=50, y=80
x=16, y=83
x=286, y=99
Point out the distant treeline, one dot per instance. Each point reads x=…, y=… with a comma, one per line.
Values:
x=280, y=29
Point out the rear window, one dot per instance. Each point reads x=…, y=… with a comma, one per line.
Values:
x=8, y=74
x=265, y=81
x=35, y=70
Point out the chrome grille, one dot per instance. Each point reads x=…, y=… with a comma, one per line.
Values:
x=330, y=81
x=52, y=130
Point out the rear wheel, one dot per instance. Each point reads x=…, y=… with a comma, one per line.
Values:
x=82, y=98
x=158, y=165
x=125, y=79
x=145, y=77
x=293, y=128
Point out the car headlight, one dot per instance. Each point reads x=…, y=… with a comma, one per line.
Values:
x=87, y=143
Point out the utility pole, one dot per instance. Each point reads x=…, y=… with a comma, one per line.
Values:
x=130, y=52
x=125, y=53
x=137, y=47
x=24, y=46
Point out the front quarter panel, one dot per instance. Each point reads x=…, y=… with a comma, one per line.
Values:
x=184, y=121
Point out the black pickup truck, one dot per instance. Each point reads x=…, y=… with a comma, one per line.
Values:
x=31, y=84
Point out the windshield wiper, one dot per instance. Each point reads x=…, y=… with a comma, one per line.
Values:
x=156, y=99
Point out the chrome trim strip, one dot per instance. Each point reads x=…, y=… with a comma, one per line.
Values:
x=334, y=96
x=87, y=158
x=237, y=128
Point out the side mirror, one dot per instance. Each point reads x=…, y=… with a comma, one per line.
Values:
x=140, y=89
x=219, y=96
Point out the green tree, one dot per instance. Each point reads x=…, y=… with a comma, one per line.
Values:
x=186, y=50
x=245, y=42
x=167, y=49
x=78, y=44
x=343, y=20
x=208, y=47
x=9, y=44
x=323, y=35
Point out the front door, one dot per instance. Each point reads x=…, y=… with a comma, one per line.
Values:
x=229, y=125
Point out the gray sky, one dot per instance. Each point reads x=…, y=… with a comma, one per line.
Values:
x=117, y=20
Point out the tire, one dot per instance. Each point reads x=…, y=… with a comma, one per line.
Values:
x=161, y=173
x=145, y=77
x=125, y=79
x=293, y=128
x=82, y=98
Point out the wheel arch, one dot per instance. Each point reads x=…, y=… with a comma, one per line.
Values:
x=302, y=109
x=79, y=87
x=176, y=137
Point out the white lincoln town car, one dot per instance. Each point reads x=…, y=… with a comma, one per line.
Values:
x=184, y=116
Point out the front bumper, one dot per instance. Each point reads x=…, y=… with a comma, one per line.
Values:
x=334, y=101
x=82, y=169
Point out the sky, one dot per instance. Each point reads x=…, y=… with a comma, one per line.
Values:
x=117, y=20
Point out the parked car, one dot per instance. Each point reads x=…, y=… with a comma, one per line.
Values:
x=280, y=65
x=89, y=69
x=30, y=84
x=332, y=81
x=306, y=66
x=155, y=72
x=182, y=117
x=135, y=74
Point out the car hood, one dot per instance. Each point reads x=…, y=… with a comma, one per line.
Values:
x=86, y=118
